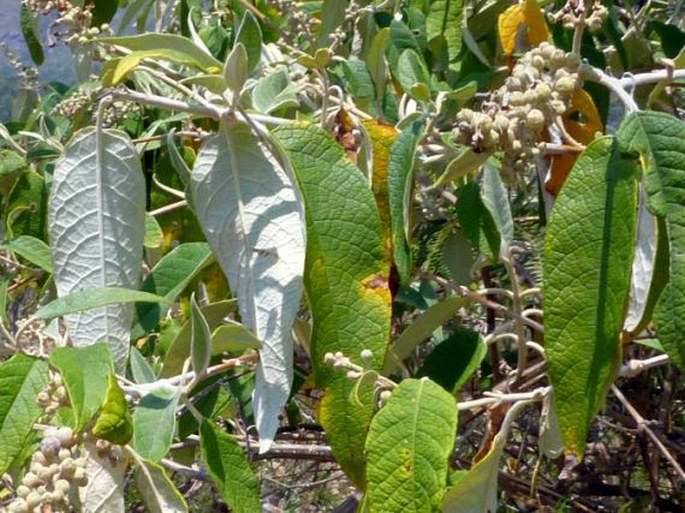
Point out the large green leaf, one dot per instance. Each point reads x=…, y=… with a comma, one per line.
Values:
x=97, y=227
x=408, y=448
x=400, y=187
x=346, y=280
x=171, y=47
x=660, y=140
x=588, y=255
x=21, y=379
x=248, y=210
x=229, y=468
x=154, y=421
x=85, y=372
x=94, y=298
x=168, y=278
x=444, y=20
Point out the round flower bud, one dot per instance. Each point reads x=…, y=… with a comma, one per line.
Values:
x=384, y=396
x=501, y=123
x=565, y=85
x=544, y=91
x=513, y=84
x=50, y=446
x=516, y=98
x=65, y=435
x=43, y=398
x=62, y=486
x=367, y=355
x=44, y=474
x=33, y=499
x=64, y=453
x=572, y=60
x=31, y=480
x=535, y=119
x=23, y=491
x=530, y=97
x=68, y=467
x=539, y=62
x=19, y=506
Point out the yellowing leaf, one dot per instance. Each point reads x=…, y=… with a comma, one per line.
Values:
x=508, y=26
x=535, y=22
x=582, y=122
x=527, y=13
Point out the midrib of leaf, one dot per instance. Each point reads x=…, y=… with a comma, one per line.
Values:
x=99, y=189
x=243, y=233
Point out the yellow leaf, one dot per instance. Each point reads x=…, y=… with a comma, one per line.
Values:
x=527, y=13
x=508, y=25
x=537, y=31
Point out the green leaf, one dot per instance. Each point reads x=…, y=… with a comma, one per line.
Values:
x=200, y=339
x=114, y=423
x=177, y=160
x=169, y=278
x=445, y=19
x=170, y=47
x=358, y=79
x=411, y=70
x=250, y=35
x=400, y=188
x=179, y=349
x=477, y=222
x=236, y=68
x=248, y=210
x=408, y=448
x=29, y=27
x=26, y=206
x=154, y=421
x=233, y=337
x=103, y=12
x=346, y=280
x=660, y=140
x=422, y=328
x=332, y=17
x=21, y=379
x=157, y=490
x=228, y=466
x=466, y=162
x=476, y=490
x=455, y=359
x=85, y=372
x=140, y=369
x=588, y=256
x=154, y=237
x=97, y=228
x=95, y=298
x=496, y=200
x=273, y=92
x=375, y=61
x=32, y=249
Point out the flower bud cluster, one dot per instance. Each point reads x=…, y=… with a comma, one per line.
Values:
x=117, y=112
x=75, y=22
x=54, y=470
x=53, y=395
x=571, y=14
x=77, y=100
x=114, y=453
x=513, y=117
x=28, y=75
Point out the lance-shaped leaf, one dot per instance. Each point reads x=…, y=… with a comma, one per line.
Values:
x=248, y=210
x=588, y=255
x=200, y=338
x=32, y=249
x=408, y=448
x=154, y=421
x=84, y=371
x=346, y=280
x=496, y=200
x=97, y=227
x=400, y=188
x=229, y=468
x=660, y=140
x=21, y=379
x=476, y=490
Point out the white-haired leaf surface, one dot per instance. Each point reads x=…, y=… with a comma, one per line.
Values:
x=248, y=210
x=97, y=226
